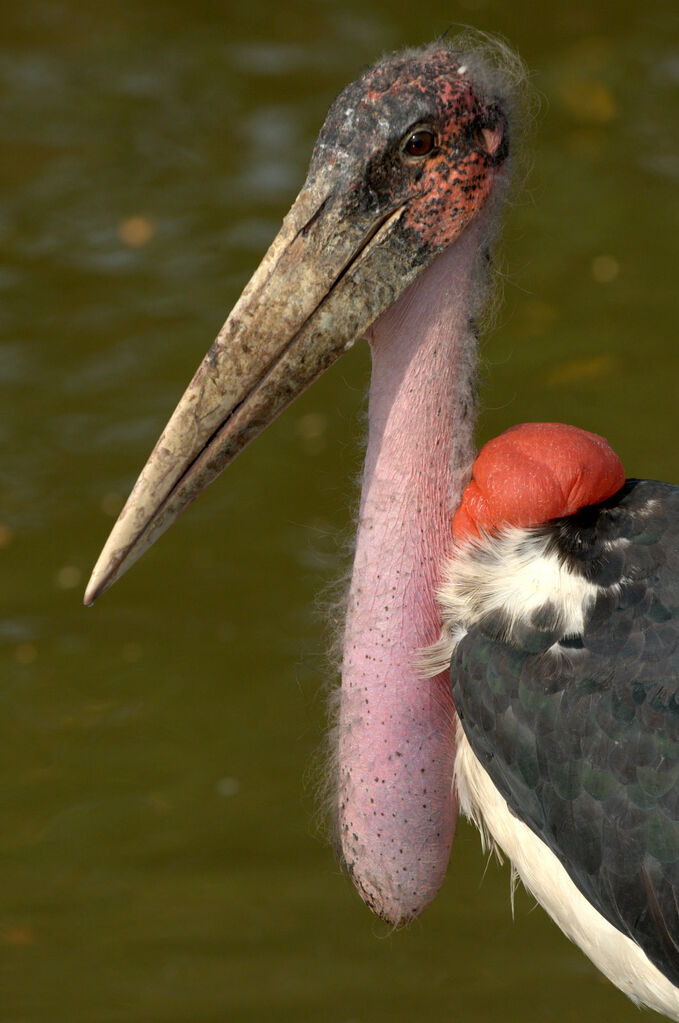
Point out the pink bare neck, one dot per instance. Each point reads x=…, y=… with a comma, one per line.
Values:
x=397, y=730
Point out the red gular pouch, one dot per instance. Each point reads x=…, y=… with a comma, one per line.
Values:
x=535, y=472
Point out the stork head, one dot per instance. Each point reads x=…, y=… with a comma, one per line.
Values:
x=412, y=135
x=407, y=157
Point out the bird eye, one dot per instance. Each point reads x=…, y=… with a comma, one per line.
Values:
x=419, y=143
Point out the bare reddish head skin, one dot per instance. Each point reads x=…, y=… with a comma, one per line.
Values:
x=364, y=133
x=535, y=472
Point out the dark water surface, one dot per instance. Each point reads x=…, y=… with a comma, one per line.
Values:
x=159, y=859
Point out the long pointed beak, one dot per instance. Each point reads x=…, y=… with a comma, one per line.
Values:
x=327, y=276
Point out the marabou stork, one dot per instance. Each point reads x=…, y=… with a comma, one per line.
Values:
x=559, y=599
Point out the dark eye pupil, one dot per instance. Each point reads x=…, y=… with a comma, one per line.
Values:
x=420, y=143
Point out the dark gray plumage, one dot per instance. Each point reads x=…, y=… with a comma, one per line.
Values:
x=583, y=742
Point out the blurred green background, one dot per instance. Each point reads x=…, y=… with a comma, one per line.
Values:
x=159, y=857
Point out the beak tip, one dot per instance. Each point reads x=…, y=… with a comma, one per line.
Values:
x=99, y=582
x=91, y=593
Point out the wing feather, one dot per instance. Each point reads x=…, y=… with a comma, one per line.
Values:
x=581, y=735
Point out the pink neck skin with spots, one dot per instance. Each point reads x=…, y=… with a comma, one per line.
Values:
x=397, y=730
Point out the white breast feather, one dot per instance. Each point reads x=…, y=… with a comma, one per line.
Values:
x=515, y=573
